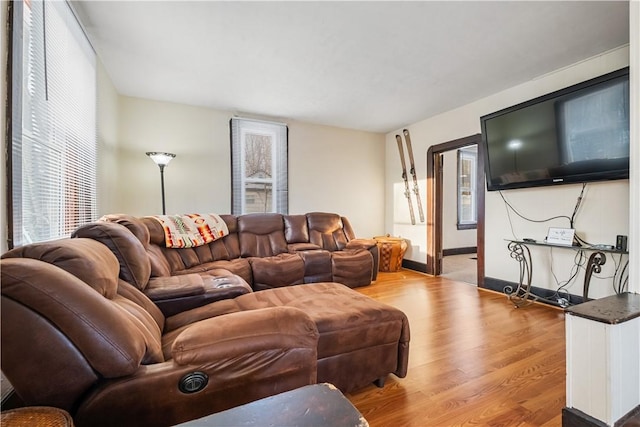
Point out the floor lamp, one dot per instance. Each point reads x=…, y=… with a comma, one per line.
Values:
x=162, y=160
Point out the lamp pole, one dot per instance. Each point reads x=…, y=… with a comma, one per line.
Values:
x=164, y=211
x=162, y=160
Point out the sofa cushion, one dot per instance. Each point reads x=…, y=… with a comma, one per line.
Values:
x=132, y=293
x=299, y=247
x=140, y=228
x=86, y=259
x=230, y=337
x=275, y=271
x=112, y=343
x=261, y=235
x=326, y=230
x=132, y=223
x=156, y=232
x=239, y=267
x=296, y=229
x=317, y=266
x=159, y=264
x=167, y=261
x=174, y=286
x=347, y=267
x=347, y=320
x=97, y=268
x=135, y=267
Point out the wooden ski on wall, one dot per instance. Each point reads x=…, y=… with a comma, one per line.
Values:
x=407, y=192
x=412, y=171
x=405, y=177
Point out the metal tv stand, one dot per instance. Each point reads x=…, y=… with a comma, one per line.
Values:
x=519, y=251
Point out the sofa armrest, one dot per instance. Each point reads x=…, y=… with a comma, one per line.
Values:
x=298, y=247
x=236, y=334
x=361, y=243
x=235, y=375
x=372, y=246
x=161, y=288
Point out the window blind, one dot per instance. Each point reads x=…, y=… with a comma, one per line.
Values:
x=53, y=147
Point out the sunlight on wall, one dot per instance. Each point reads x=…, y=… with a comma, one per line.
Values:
x=415, y=235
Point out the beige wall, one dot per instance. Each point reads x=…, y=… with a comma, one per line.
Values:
x=330, y=169
x=197, y=180
x=338, y=170
x=605, y=209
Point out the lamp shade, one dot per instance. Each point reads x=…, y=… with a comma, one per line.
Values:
x=160, y=159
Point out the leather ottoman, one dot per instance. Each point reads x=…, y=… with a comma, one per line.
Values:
x=361, y=340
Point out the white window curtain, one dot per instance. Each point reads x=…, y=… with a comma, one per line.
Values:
x=259, y=166
x=53, y=149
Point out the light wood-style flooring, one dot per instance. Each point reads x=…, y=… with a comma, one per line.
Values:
x=475, y=360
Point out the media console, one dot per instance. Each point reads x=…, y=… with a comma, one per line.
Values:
x=519, y=251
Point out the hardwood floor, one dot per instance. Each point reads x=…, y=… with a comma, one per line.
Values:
x=475, y=360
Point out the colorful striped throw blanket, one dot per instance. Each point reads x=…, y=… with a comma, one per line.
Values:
x=191, y=230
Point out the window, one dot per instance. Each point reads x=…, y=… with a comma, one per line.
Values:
x=467, y=167
x=53, y=135
x=258, y=167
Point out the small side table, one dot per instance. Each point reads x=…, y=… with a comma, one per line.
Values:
x=392, y=250
x=35, y=416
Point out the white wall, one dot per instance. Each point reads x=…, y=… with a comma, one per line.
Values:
x=452, y=237
x=330, y=169
x=605, y=210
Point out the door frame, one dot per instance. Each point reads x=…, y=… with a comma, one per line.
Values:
x=434, y=203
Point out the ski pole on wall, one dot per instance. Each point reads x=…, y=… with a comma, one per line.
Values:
x=407, y=192
x=412, y=171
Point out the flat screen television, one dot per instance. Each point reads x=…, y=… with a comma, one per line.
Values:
x=574, y=135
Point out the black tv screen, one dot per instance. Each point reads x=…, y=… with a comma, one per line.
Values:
x=578, y=134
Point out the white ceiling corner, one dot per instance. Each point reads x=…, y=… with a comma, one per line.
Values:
x=373, y=66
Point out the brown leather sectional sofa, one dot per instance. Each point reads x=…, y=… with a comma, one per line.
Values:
x=261, y=251
x=78, y=336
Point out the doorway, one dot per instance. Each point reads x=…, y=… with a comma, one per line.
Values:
x=435, y=181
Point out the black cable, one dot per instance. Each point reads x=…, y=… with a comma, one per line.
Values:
x=622, y=285
x=575, y=212
x=513, y=233
x=578, y=203
x=529, y=219
x=615, y=274
x=571, y=218
x=578, y=262
x=579, y=258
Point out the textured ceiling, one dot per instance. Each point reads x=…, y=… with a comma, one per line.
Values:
x=374, y=66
